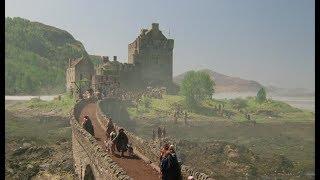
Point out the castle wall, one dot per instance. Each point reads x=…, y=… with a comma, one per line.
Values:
x=155, y=65
x=84, y=70
x=131, y=49
x=151, y=53
x=70, y=77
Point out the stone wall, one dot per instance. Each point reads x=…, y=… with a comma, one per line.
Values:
x=89, y=157
x=149, y=151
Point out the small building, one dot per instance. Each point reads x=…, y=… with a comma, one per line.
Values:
x=80, y=69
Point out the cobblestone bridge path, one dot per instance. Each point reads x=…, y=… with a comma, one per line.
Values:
x=136, y=168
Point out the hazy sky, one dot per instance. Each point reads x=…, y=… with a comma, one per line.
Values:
x=270, y=41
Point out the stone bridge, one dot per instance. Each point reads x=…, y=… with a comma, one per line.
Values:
x=93, y=162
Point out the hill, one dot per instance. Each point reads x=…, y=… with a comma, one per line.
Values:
x=95, y=59
x=36, y=57
x=293, y=92
x=226, y=83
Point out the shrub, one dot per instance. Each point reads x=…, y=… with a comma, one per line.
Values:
x=261, y=95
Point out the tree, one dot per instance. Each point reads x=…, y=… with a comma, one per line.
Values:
x=239, y=103
x=197, y=86
x=146, y=102
x=261, y=95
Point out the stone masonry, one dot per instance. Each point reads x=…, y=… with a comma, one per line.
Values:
x=151, y=53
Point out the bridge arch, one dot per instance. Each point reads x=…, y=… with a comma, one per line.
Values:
x=88, y=174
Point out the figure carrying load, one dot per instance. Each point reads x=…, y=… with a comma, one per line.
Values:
x=121, y=141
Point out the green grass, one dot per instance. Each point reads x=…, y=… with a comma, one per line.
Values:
x=280, y=129
x=261, y=112
x=34, y=129
x=158, y=107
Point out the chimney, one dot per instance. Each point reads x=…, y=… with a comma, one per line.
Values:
x=102, y=59
x=105, y=59
x=143, y=31
x=114, y=58
x=155, y=26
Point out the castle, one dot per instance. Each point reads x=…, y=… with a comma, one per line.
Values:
x=150, y=63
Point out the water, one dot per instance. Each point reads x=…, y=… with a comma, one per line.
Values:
x=307, y=103
x=27, y=98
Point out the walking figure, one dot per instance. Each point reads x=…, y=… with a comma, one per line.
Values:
x=175, y=117
x=121, y=141
x=153, y=135
x=87, y=125
x=185, y=117
x=159, y=132
x=164, y=132
x=254, y=123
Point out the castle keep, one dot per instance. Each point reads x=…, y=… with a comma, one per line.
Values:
x=149, y=63
x=151, y=53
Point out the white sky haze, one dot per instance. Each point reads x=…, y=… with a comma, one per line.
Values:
x=270, y=41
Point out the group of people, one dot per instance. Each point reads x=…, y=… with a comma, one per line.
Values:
x=161, y=133
x=114, y=140
x=169, y=164
x=119, y=141
x=154, y=92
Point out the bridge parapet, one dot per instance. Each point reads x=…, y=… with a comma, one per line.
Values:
x=146, y=148
x=91, y=161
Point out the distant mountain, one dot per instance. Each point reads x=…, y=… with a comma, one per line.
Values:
x=226, y=83
x=290, y=92
x=36, y=57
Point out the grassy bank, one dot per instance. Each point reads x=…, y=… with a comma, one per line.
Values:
x=38, y=146
x=268, y=111
x=280, y=129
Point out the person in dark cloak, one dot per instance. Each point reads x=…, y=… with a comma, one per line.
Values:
x=121, y=141
x=109, y=128
x=153, y=135
x=174, y=168
x=87, y=125
x=164, y=163
x=164, y=132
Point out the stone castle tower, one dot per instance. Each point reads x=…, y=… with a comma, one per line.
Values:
x=151, y=53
